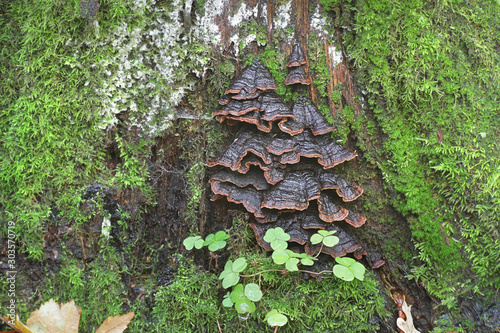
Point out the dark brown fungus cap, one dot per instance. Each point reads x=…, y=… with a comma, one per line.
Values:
x=248, y=196
x=273, y=107
x=252, y=178
x=346, y=190
x=256, y=76
x=243, y=95
x=359, y=253
x=355, y=219
x=238, y=108
x=271, y=216
x=297, y=57
x=297, y=75
x=250, y=118
x=293, y=192
x=246, y=141
x=306, y=116
x=329, y=211
x=275, y=174
x=251, y=159
x=328, y=152
x=224, y=100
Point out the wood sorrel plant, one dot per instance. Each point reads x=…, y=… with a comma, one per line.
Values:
x=244, y=295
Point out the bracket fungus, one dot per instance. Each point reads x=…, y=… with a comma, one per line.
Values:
x=296, y=62
x=282, y=174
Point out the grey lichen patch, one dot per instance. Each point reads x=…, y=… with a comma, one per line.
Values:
x=154, y=60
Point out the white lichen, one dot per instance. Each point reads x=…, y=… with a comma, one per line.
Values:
x=282, y=18
x=335, y=56
x=319, y=23
x=153, y=64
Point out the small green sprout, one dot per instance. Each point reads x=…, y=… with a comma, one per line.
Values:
x=230, y=276
x=325, y=237
x=194, y=241
x=243, y=299
x=278, y=238
x=274, y=318
x=348, y=269
x=217, y=241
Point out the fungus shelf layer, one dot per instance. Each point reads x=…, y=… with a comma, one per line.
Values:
x=283, y=174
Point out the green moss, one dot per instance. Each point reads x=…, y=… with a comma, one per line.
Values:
x=431, y=75
x=96, y=288
x=193, y=304
x=275, y=61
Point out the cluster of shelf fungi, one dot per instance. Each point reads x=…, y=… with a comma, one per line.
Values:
x=280, y=170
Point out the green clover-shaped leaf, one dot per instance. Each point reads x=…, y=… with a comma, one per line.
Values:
x=227, y=302
x=287, y=257
x=345, y=261
x=194, y=241
x=244, y=305
x=325, y=237
x=305, y=259
x=291, y=264
x=237, y=293
x=253, y=292
x=239, y=265
x=274, y=318
x=348, y=269
x=278, y=238
x=216, y=241
x=343, y=273
x=358, y=270
x=230, y=275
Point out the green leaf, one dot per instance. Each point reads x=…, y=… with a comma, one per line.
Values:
x=221, y=235
x=253, y=292
x=307, y=262
x=277, y=237
x=190, y=242
x=274, y=318
x=343, y=272
x=237, y=293
x=210, y=238
x=316, y=239
x=326, y=233
x=230, y=280
x=280, y=257
x=330, y=241
x=244, y=305
x=239, y=265
x=358, y=270
x=227, y=302
x=199, y=243
x=217, y=245
x=291, y=264
x=270, y=235
x=346, y=261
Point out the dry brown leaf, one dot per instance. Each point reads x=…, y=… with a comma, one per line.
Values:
x=115, y=324
x=18, y=326
x=52, y=318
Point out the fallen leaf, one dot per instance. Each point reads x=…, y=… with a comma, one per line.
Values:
x=17, y=325
x=406, y=326
x=52, y=318
x=115, y=324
